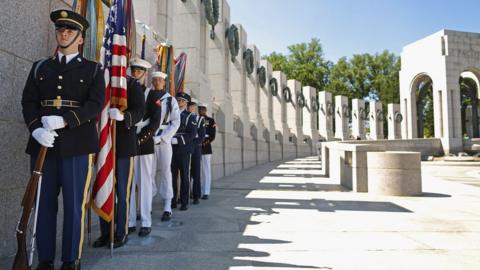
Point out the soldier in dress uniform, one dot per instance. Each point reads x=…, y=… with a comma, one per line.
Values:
x=144, y=162
x=139, y=69
x=169, y=123
x=210, y=131
x=61, y=100
x=196, y=152
x=181, y=146
x=125, y=150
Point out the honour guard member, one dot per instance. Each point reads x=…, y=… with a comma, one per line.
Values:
x=125, y=150
x=144, y=162
x=138, y=69
x=182, y=143
x=210, y=131
x=169, y=123
x=61, y=100
x=196, y=152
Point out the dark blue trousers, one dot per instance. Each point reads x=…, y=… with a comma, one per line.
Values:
x=123, y=178
x=195, y=171
x=181, y=164
x=72, y=176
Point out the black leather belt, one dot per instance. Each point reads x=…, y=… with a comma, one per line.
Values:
x=58, y=103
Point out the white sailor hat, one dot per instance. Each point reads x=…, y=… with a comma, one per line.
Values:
x=140, y=63
x=159, y=74
x=193, y=101
x=202, y=104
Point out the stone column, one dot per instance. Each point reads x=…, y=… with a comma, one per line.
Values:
x=341, y=117
x=294, y=112
x=266, y=111
x=310, y=112
x=394, y=119
x=325, y=116
x=278, y=113
x=226, y=141
x=376, y=120
x=358, y=118
x=238, y=85
x=192, y=33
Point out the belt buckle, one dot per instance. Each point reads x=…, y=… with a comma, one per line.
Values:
x=57, y=102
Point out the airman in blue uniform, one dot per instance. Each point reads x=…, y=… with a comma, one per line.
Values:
x=181, y=146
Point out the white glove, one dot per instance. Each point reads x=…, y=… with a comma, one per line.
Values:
x=116, y=114
x=44, y=136
x=174, y=140
x=53, y=122
x=157, y=140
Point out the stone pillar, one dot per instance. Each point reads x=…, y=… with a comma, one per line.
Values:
x=341, y=117
x=376, y=120
x=238, y=85
x=266, y=110
x=358, y=118
x=192, y=33
x=325, y=116
x=468, y=121
x=278, y=112
x=395, y=119
x=310, y=113
x=294, y=112
x=226, y=141
x=157, y=16
x=256, y=118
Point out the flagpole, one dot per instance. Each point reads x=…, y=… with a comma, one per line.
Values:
x=112, y=221
x=172, y=73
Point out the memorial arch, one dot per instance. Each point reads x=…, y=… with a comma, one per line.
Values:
x=439, y=79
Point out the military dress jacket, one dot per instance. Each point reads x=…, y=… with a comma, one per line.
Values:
x=126, y=141
x=198, y=140
x=210, y=131
x=150, y=122
x=75, y=91
x=185, y=135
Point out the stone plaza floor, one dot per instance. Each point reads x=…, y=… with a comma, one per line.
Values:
x=286, y=216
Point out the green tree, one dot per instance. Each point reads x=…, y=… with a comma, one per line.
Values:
x=305, y=63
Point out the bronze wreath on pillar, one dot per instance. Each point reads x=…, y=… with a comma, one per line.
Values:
x=212, y=13
x=287, y=94
x=300, y=100
x=262, y=76
x=314, y=105
x=248, y=61
x=233, y=39
x=398, y=117
x=273, y=86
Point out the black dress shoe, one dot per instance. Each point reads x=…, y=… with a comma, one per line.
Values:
x=75, y=265
x=102, y=241
x=45, y=266
x=196, y=201
x=132, y=229
x=166, y=216
x=144, y=231
x=205, y=197
x=120, y=241
x=184, y=207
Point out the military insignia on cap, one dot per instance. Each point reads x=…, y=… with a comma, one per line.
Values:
x=64, y=14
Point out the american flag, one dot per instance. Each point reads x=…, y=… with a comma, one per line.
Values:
x=114, y=60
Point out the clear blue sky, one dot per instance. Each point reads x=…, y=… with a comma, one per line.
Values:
x=347, y=27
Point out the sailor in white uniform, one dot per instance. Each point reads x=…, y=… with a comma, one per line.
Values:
x=169, y=123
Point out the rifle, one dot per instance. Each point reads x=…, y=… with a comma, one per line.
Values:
x=33, y=188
